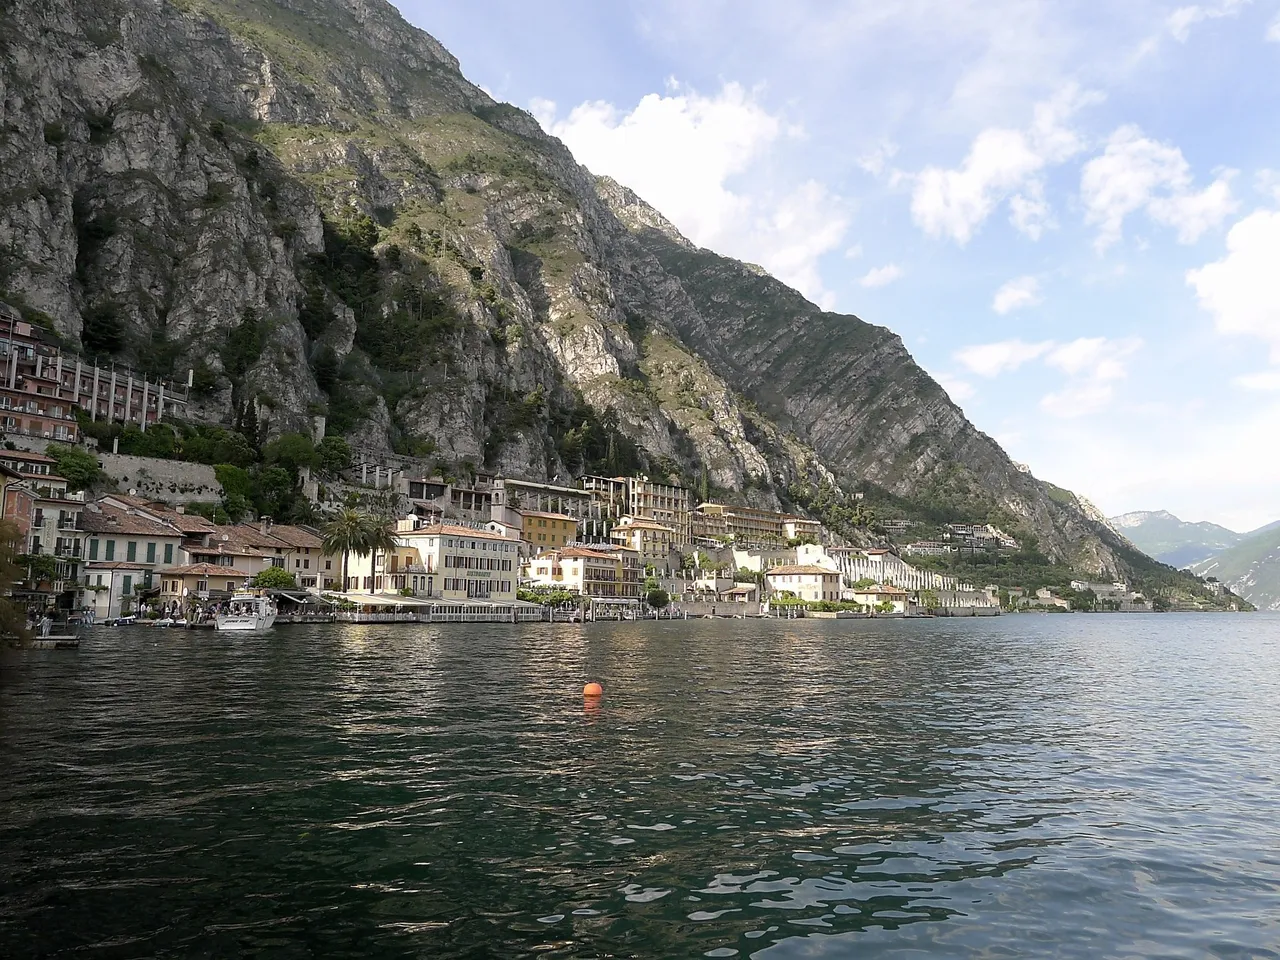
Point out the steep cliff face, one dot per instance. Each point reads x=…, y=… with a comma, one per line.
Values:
x=307, y=204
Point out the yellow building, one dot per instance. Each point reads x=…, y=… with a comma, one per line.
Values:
x=547, y=531
x=805, y=581
x=746, y=525
x=653, y=541
x=199, y=580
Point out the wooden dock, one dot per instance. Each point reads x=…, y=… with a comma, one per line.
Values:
x=55, y=641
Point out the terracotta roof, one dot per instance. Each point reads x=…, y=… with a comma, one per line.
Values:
x=27, y=455
x=804, y=568
x=204, y=570
x=642, y=524
x=581, y=552
x=240, y=539
x=115, y=565
x=187, y=523
x=295, y=536
x=549, y=516
x=104, y=518
x=450, y=530
x=882, y=591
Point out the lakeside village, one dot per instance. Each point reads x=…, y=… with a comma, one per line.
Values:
x=493, y=549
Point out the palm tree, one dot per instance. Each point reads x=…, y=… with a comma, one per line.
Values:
x=346, y=533
x=355, y=532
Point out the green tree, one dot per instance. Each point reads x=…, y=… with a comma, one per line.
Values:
x=37, y=567
x=334, y=453
x=275, y=578
x=12, y=619
x=293, y=451
x=657, y=598
x=79, y=466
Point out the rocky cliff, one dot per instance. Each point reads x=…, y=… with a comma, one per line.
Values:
x=306, y=203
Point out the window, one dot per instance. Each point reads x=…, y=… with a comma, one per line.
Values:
x=231, y=586
x=131, y=553
x=168, y=553
x=328, y=564
x=128, y=585
x=99, y=581
x=151, y=552
x=306, y=564
x=297, y=564
x=202, y=586
x=111, y=549
x=93, y=551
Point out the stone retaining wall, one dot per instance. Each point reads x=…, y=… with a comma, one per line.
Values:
x=169, y=480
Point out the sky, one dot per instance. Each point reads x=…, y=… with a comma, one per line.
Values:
x=1070, y=212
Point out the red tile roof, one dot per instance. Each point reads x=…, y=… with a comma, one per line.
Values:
x=203, y=570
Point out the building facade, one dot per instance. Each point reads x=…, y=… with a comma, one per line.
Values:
x=805, y=581
x=40, y=386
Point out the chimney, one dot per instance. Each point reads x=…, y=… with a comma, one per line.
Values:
x=180, y=508
x=264, y=524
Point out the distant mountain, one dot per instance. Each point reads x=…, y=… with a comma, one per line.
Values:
x=1173, y=541
x=1251, y=568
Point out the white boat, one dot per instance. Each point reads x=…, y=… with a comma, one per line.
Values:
x=247, y=611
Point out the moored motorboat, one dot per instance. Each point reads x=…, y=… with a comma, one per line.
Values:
x=247, y=611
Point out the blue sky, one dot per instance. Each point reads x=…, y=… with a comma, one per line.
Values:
x=1070, y=212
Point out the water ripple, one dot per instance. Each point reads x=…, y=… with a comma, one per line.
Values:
x=1029, y=785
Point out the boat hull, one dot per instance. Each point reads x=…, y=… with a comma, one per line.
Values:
x=240, y=623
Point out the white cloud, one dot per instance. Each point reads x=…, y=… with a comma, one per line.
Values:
x=697, y=159
x=1242, y=290
x=1264, y=382
x=1077, y=399
x=1273, y=30
x=876, y=160
x=958, y=390
x=1136, y=173
x=993, y=359
x=1267, y=182
x=881, y=276
x=1017, y=293
x=854, y=252
x=1001, y=164
x=1092, y=365
x=1183, y=19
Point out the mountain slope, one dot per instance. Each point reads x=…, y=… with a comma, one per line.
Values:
x=1173, y=541
x=307, y=203
x=1251, y=569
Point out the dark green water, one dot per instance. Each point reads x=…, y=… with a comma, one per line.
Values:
x=1068, y=786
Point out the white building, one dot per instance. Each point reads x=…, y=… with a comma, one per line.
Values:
x=805, y=581
x=441, y=561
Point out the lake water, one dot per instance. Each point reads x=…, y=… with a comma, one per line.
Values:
x=1075, y=786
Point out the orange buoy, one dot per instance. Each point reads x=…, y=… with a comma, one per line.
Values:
x=592, y=690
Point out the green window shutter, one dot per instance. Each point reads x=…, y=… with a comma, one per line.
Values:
x=93, y=549
x=131, y=554
x=111, y=549
x=128, y=584
x=151, y=553
x=168, y=553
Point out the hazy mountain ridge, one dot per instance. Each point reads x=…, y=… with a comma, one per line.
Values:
x=1251, y=568
x=428, y=269
x=1172, y=540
